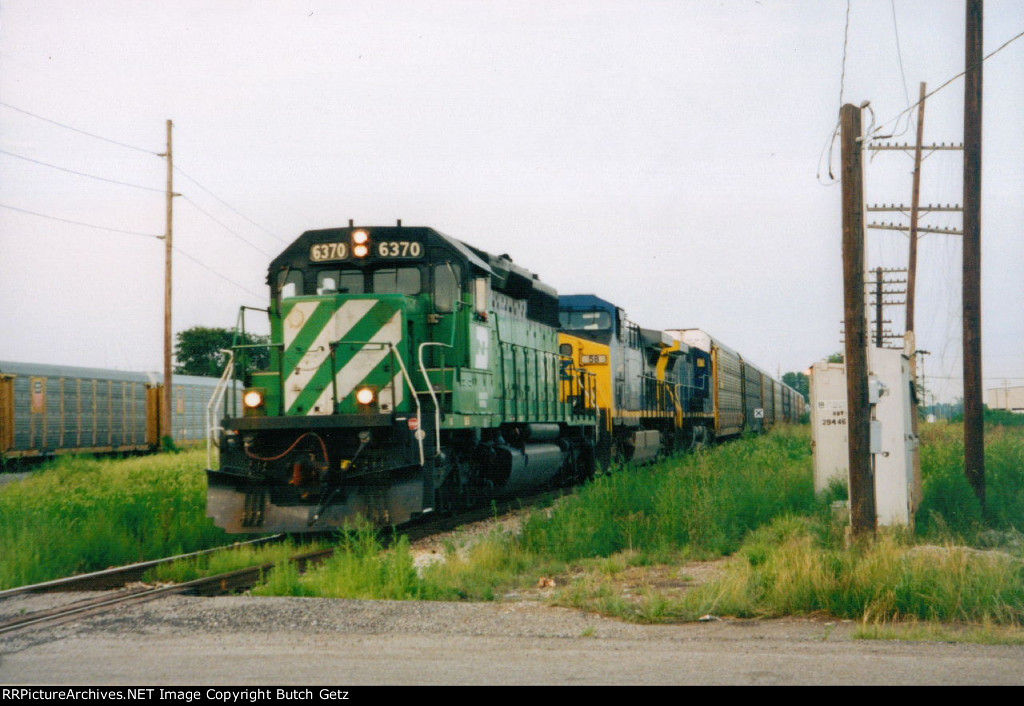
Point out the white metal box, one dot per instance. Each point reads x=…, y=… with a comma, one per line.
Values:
x=829, y=424
x=894, y=463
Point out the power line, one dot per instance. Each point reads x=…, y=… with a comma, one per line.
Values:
x=846, y=39
x=899, y=53
x=72, y=171
x=232, y=208
x=1005, y=44
x=899, y=57
x=200, y=209
x=842, y=85
x=83, y=132
x=79, y=223
x=207, y=267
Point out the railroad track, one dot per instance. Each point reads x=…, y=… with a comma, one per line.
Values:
x=117, y=591
x=119, y=577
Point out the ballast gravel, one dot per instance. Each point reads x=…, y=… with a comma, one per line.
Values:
x=243, y=640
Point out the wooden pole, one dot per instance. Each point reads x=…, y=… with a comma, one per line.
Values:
x=879, y=296
x=974, y=422
x=915, y=205
x=166, y=424
x=862, y=482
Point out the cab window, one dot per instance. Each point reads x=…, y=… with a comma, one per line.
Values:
x=446, y=287
x=397, y=280
x=585, y=320
x=352, y=282
x=327, y=281
x=339, y=282
x=289, y=283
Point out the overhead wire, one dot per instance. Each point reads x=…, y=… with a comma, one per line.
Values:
x=903, y=75
x=72, y=171
x=207, y=267
x=79, y=223
x=951, y=80
x=225, y=227
x=137, y=186
x=226, y=204
x=83, y=132
x=830, y=144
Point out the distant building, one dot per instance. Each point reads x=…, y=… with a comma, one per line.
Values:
x=1008, y=398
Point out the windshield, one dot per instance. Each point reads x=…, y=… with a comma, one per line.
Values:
x=585, y=320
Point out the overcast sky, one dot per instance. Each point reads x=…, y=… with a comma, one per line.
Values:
x=671, y=157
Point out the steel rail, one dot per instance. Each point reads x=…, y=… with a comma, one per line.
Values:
x=206, y=586
x=118, y=576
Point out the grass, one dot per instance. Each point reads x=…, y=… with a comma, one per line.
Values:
x=81, y=514
x=617, y=546
x=704, y=502
x=949, y=508
x=700, y=505
x=791, y=568
x=911, y=630
x=229, y=559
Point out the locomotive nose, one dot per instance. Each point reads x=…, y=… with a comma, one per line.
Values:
x=344, y=356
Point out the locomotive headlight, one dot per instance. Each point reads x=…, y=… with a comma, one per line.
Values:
x=360, y=243
x=365, y=395
x=252, y=399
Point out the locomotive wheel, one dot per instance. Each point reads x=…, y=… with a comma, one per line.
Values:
x=700, y=437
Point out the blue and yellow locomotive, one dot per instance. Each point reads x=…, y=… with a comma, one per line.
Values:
x=409, y=373
x=658, y=392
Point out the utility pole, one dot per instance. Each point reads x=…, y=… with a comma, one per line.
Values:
x=166, y=427
x=915, y=210
x=974, y=422
x=882, y=289
x=879, y=323
x=862, y=483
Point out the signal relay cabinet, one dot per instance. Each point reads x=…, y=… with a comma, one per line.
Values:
x=894, y=443
x=829, y=425
x=892, y=425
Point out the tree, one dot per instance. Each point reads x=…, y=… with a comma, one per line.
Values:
x=198, y=352
x=800, y=383
x=836, y=357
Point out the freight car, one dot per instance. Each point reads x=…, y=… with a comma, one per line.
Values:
x=411, y=372
x=46, y=410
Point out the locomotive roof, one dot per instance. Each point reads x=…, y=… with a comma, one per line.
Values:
x=508, y=276
x=297, y=251
x=584, y=301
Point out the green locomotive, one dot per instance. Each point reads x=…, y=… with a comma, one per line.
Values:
x=410, y=373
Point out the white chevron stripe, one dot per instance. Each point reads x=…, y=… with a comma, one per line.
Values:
x=392, y=400
x=364, y=361
x=336, y=327
x=296, y=319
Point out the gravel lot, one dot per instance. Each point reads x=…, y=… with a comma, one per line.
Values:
x=300, y=641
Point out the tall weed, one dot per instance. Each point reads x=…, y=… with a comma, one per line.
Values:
x=706, y=502
x=82, y=514
x=786, y=569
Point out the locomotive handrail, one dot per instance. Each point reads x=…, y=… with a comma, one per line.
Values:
x=215, y=400
x=415, y=397
x=433, y=396
x=587, y=384
x=405, y=373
